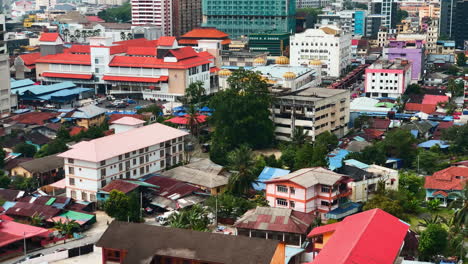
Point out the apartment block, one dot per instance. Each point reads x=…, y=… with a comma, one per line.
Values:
x=186, y=15
x=154, y=12
x=413, y=51
x=90, y=165
x=386, y=78
x=316, y=110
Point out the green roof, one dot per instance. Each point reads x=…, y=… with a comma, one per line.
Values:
x=142, y=183
x=51, y=201
x=73, y=215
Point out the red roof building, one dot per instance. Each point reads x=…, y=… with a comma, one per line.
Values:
x=11, y=231
x=120, y=185
x=425, y=108
x=166, y=41
x=49, y=37
x=29, y=59
x=372, y=237
x=191, y=38
x=373, y=134
x=76, y=130
x=447, y=184
x=94, y=19
x=283, y=224
x=380, y=124
x=33, y=118
x=114, y=117
x=434, y=99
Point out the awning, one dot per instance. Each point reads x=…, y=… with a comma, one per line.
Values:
x=214, y=69
x=135, y=79
x=67, y=75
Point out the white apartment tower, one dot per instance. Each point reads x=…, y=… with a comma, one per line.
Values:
x=328, y=44
x=5, y=103
x=130, y=154
x=154, y=12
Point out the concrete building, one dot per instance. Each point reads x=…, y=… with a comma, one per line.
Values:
x=186, y=15
x=90, y=165
x=327, y=44
x=312, y=3
x=316, y=110
x=236, y=59
x=350, y=21
x=274, y=44
x=246, y=17
x=386, y=78
x=5, y=97
x=373, y=23
x=406, y=50
x=432, y=35
x=447, y=16
x=155, y=12
x=460, y=30
x=388, y=10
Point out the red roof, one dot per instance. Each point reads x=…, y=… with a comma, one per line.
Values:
x=442, y=125
x=76, y=130
x=205, y=54
x=434, y=99
x=166, y=41
x=169, y=187
x=142, y=51
x=371, y=237
x=452, y=178
x=195, y=41
x=27, y=209
x=140, y=42
x=381, y=124
x=5, y=217
x=30, y=58
x=152, y=62
x=68, y=75
x=34, y=118
x=86, y=49
x=354, y=42
x=205, y=33
x=120, y=185
x=66, y=58
x=276, y=219
x=441, y=193
x=214, y=69
x=94, y=19
x=49, y=37
x=323, y=229
x=184, y=53
x=425, y=108
x=183, y=120
x=114, y=117
x=11, y=231
x=135, y=79
x=373, y=133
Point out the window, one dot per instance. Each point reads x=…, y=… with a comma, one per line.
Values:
x=324, y=203
x=325, y=189
x=73, y=194
x=71, y=170
x=281, y=202
x=96, y=61
x=146, y=149
x=161, y=153
x=292, y=190
x=120, y=157
x=142, y=160
x=71, y=161
x=127, y=174
x=127, y=155
x=120, y=166
x=134, y=161
x=103, y=183
x=281, y=188
x=71, y=181
x=180, y=147
x=92, y=197
x=103, y=172
x=84, y=196
x=142, y=171
x=292, y=204
x=140, y=151
x=162, y=163
x=103, y=162
x=146, y=158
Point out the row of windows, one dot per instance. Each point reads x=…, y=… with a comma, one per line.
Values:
x=316, y=44
x=387, y=81
x=84, y=196
x=285, y=203
x=284, y=189
x=385, y=88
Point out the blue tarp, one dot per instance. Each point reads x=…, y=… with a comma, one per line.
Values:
x=180, y=114
x=335, y=159
x=178, y=108
x=356, y=163
x=7, y=205
x=291, y=252
x=266, y=174
x=21, y=111
x=430, y=143
x=205, y=109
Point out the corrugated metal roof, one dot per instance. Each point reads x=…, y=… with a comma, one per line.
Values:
x=44, y=89
x=356, y=163
x=310, y=176
x=88, y=111
x=266, y=174
x=64, y=93
x=21, y=83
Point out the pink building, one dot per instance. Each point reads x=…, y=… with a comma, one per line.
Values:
x=385, y=78
x=155, y=12
x=310, y=190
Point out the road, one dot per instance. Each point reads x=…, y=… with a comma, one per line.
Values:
x=91, y=236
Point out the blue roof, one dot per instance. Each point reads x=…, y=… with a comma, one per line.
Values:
x=356, y=163
x=21, y=83
x=266, y=174
x=65, y=93
x=205, y=109
x=342, y=211
x=415, y=133
x=291, y=252
x=358, y=138
x=44, y=89
x=433, y=142
x=7, y=205
x=336, y=161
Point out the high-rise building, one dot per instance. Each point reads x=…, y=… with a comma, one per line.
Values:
x=5, y=103
x=154, y=12
x=245, y=17
x=388, y=10
x=186, y=15
x=447, y=9
x=460, y=29
x=373, y=23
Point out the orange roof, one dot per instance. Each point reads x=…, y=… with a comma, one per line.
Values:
x=205, y=33
x=425, y=108
x=184, y=53
x=30, y=58
x=66, y=58
x=140, y=42
x=86, y=49
x=49, y=37
x=94, y=19
x=166, y=41
x=68, y=75
x=452, y=178
x=142, y=51
x=34, y=118
x=195, y=42
x=76, y=130
x=206, y=54
x=135, y=79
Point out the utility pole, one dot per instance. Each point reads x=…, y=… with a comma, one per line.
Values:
x=216, y=211
x=24, y=239
x=141, y=204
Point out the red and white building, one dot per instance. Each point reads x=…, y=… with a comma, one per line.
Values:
x=386, y=78
x=139, y=68
x=154, y=12
x=310, y=190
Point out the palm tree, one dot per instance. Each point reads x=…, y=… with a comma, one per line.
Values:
x=299, y=136
x=36, y=219
x=192, y=120
x=437, y=219
x=460, y=217
x=195, y=218
x=129, y=36
x=122, y=36
x=66, y=34
x=241, y=162
x=77, y=34
x=67, y=227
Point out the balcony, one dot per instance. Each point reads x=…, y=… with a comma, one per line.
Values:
x=345, y=193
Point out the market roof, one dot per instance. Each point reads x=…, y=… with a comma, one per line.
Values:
x=203, y=172
x=120, y=78
x=89, y=111
x=30, y=58
x=266, y=174
x=205, y=33
x=44, y=164
x=434, y=99
x=309, y=177
x=111, y=146
x=373, y=236
x=68, y=75
x=276, y=219
x=66, y=58
x=33, y=118
x=79, y=217
x=21, y=83
x=11, y=231
x=451, y=178
x=10, y=195
x=172, y=188
x=26, y=209
x=44, y=89
x=143, y=241
x=184, y=120
x=65, y=93
x=167, y=41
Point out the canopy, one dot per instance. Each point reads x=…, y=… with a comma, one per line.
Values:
x=178, y=108
x=205, y=109
x=184, y=120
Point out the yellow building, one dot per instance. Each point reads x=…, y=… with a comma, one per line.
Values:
x=46, y=170
x=89, y=116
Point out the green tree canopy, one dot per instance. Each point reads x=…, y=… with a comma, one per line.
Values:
x=433, y=241
x=399, y=143
x=388, y=205
x=195, y=218
x=26, y=149
x=229, y=206
x=242, y=115
x=117, y=205
x=55, y=146
x=241, y=163
x=461, y=59
x=309, y=14
x=374, y=154
x=401, y=15
x=118, y=14
x=458, y=137
x=195, y=93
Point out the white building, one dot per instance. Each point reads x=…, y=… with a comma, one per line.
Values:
x=90, y=165
x=5, y=103
x=387, y=78
x=154, y=12
x=328, y=44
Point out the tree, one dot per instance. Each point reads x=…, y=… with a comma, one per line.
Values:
x=299, y=136
x=193, y=120
x=36, y=219
x=401, y=15
x=414, y=89
x=452, y=70
x=2, y=157
x=458, y=137
x=461, y=59
x=122, y=36
x=26, y=149
x=55, y=146
x=303, y=157
x=195, y=218
x=241, y=162
x=411, y=182
x=117, y=205
x=426, y=221
x=66, y=227
x=134, y=208
x=242, y=115
x=455, y=88
x=129, y=36
x=433, y=241
x=77, y=34
x=63, y=133
x=195, y=92
x=460, y=217
x=288, y=156
x=362, y=121
x=401, y=144
x=229, y=206
x=388, y=205
x=310, y=15
x=433, y=205
x=326, y=139
x=374, y=154
x=5, y=181
x=428, y=161
x=122, y=13
x=25, y=184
